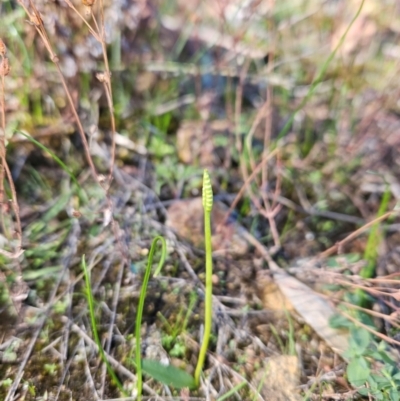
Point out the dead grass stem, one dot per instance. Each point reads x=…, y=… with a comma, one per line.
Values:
x=37, y=22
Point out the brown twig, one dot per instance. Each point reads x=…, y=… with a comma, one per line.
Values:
x=271, y=210
x=244, y=187
x=368, y=328
x=382, y=316
x=264, y=207
x=355, y=234
x=106, y=80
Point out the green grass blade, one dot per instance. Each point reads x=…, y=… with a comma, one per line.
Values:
x=374, y=238
x=232, y=391
x=58, y=161
x=142, y=298
x=90, y=300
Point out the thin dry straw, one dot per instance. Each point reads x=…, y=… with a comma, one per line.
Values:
x=4, y=168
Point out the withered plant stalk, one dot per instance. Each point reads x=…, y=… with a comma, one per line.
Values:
x=37, y=22
x=266, y=210
x=105, y=78
x=4, y=168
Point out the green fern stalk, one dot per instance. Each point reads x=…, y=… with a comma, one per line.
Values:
x=207, y=206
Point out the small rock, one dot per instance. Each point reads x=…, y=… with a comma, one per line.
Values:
x=186, y=218
x=270, y=294
x=280, y=379
x=215, y=279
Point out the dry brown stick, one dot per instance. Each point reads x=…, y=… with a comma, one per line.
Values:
x=107, y=85
x=4, y=70
x=268, y=213
x=19, y=291
x=114, y=363
x=368, y=328
x=4, y=168
x=271, y=210
x=238, y=106
x=91, y=30
x=88, y=373
x=321, y=213
x=371, y=312
x=355, y=234
x=115, y=300
x=261, y=114
x=105, y=79
x=371, y=290
x=21, y=369
x=247, y=182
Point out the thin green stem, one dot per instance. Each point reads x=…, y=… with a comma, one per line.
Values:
x=232, y=391
x=207, y=206
x=139, y=314
x=89, y=297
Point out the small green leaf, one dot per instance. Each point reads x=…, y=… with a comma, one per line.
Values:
x=358, y=371
x=338, y=321
x=380, y=382
x=394, y=394
x=178, y=350
x=364, y=391
x=168, y=374
x=385, y=357
x=372, y=384
x=359, y=339
x=160, y=148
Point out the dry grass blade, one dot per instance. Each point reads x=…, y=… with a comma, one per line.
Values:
x=19, y=289
x=338, y=246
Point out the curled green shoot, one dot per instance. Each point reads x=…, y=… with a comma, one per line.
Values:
x=142, y=297
x=207, y=206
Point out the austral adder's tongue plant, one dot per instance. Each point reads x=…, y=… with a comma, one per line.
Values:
x=207, y=206
x=171, y=375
